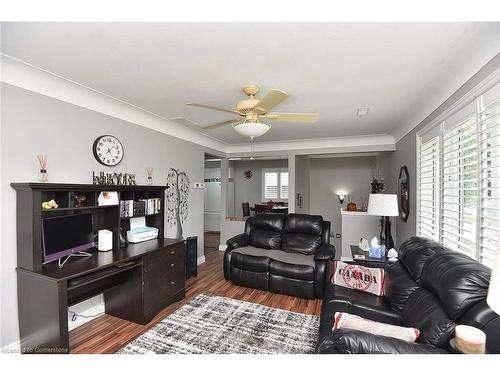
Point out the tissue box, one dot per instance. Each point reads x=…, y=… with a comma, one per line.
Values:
x=377, y=252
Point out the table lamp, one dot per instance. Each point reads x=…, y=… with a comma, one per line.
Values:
x=384, y=205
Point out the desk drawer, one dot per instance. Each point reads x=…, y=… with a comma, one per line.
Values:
x=164, y=276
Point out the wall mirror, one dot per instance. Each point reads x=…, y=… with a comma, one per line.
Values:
x=404, y=193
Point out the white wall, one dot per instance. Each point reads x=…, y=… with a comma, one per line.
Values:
x=329, y=175
x=32, y=123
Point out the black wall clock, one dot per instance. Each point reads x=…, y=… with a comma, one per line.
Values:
x=108, y=150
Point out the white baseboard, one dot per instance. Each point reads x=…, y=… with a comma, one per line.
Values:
x=14, y=348
x=222, y=247
x=200, y=260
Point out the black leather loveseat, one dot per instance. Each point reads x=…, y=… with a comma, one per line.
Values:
x=285, y=254
x=431, y=288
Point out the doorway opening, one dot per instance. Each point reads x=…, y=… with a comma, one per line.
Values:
x=212, y=208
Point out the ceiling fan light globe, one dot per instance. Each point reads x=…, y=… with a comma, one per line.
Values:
x=252, y=129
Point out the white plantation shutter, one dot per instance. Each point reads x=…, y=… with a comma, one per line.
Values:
x=271, y=185
x=489, y=127
x=284, y=185
x=459, y=185
x=458, y=180
x=428, y=200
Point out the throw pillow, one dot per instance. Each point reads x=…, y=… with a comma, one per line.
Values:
x=350, y=321
x=355, y=276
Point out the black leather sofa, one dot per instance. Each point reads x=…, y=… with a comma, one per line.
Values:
x=431, y=288
x=285, y=254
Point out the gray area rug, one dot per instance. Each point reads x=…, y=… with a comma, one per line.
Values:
x=211, y=324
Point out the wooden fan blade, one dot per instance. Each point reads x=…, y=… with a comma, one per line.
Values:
x=212, y=107
x=294, y=117
x=221, y=124
x=271, y=100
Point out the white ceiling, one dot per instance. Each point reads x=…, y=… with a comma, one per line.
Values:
x=401, y=71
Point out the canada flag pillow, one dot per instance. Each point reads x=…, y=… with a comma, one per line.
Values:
x=355, y=276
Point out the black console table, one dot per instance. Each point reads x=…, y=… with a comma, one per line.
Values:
x=137, y=280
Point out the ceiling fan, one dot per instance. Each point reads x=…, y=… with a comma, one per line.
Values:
x=253, y=113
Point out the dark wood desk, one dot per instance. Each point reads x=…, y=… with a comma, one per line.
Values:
x=137, y=281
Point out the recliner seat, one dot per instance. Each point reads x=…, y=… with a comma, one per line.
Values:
x=431, y=288
x=285, y=254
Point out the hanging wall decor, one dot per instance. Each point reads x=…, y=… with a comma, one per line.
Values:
x=177, y=194
x=248, y=174
x=404, y=193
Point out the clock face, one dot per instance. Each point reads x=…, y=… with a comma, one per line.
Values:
x=108, y=150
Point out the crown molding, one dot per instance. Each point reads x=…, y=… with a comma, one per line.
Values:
x=29, y=77
x=313, y=146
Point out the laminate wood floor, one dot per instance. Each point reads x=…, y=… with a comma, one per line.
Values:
x=212, y=240
x=107, y=334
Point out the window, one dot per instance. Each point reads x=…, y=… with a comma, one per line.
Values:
x=458, y=179
x=428, y=201
x=284, y=185
x=274, y=184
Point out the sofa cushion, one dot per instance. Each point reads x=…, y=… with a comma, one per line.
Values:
x=423, y=311
x=273, y=222
x=294, y=271
x=300, y=243
x=305, y=224
x=266, y=239
x=363, y=304
x=458, y=280
x=279, y=255
x=398, y=286
x=416, y=251
x=250, y=263
x=302, y=233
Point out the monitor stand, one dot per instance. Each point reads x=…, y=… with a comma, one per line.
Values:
x=78, y=254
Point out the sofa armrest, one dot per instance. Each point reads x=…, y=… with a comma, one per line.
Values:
x=348, y=341
x=325, y=252
x=240, y=240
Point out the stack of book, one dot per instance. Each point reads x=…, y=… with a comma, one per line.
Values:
x=151, y=205
x=130, y=208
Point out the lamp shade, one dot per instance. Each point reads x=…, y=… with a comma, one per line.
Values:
x=383, y=205
x=252, y=129
x=493, y=298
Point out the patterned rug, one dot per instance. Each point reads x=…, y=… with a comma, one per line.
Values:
x=218, y=325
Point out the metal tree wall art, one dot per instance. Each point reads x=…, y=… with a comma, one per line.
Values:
x=177, y=193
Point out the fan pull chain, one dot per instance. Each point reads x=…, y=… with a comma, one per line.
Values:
x=252, y=147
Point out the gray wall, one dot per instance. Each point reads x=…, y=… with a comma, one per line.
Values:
x=329, y=175
x=405, y=153
x=32, y=123
x=302, y=183
x=250, y=190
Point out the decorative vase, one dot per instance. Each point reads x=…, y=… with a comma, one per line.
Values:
x=149, y=180
x=352, y=206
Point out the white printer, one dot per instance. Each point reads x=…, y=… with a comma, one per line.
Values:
x=139, y=232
